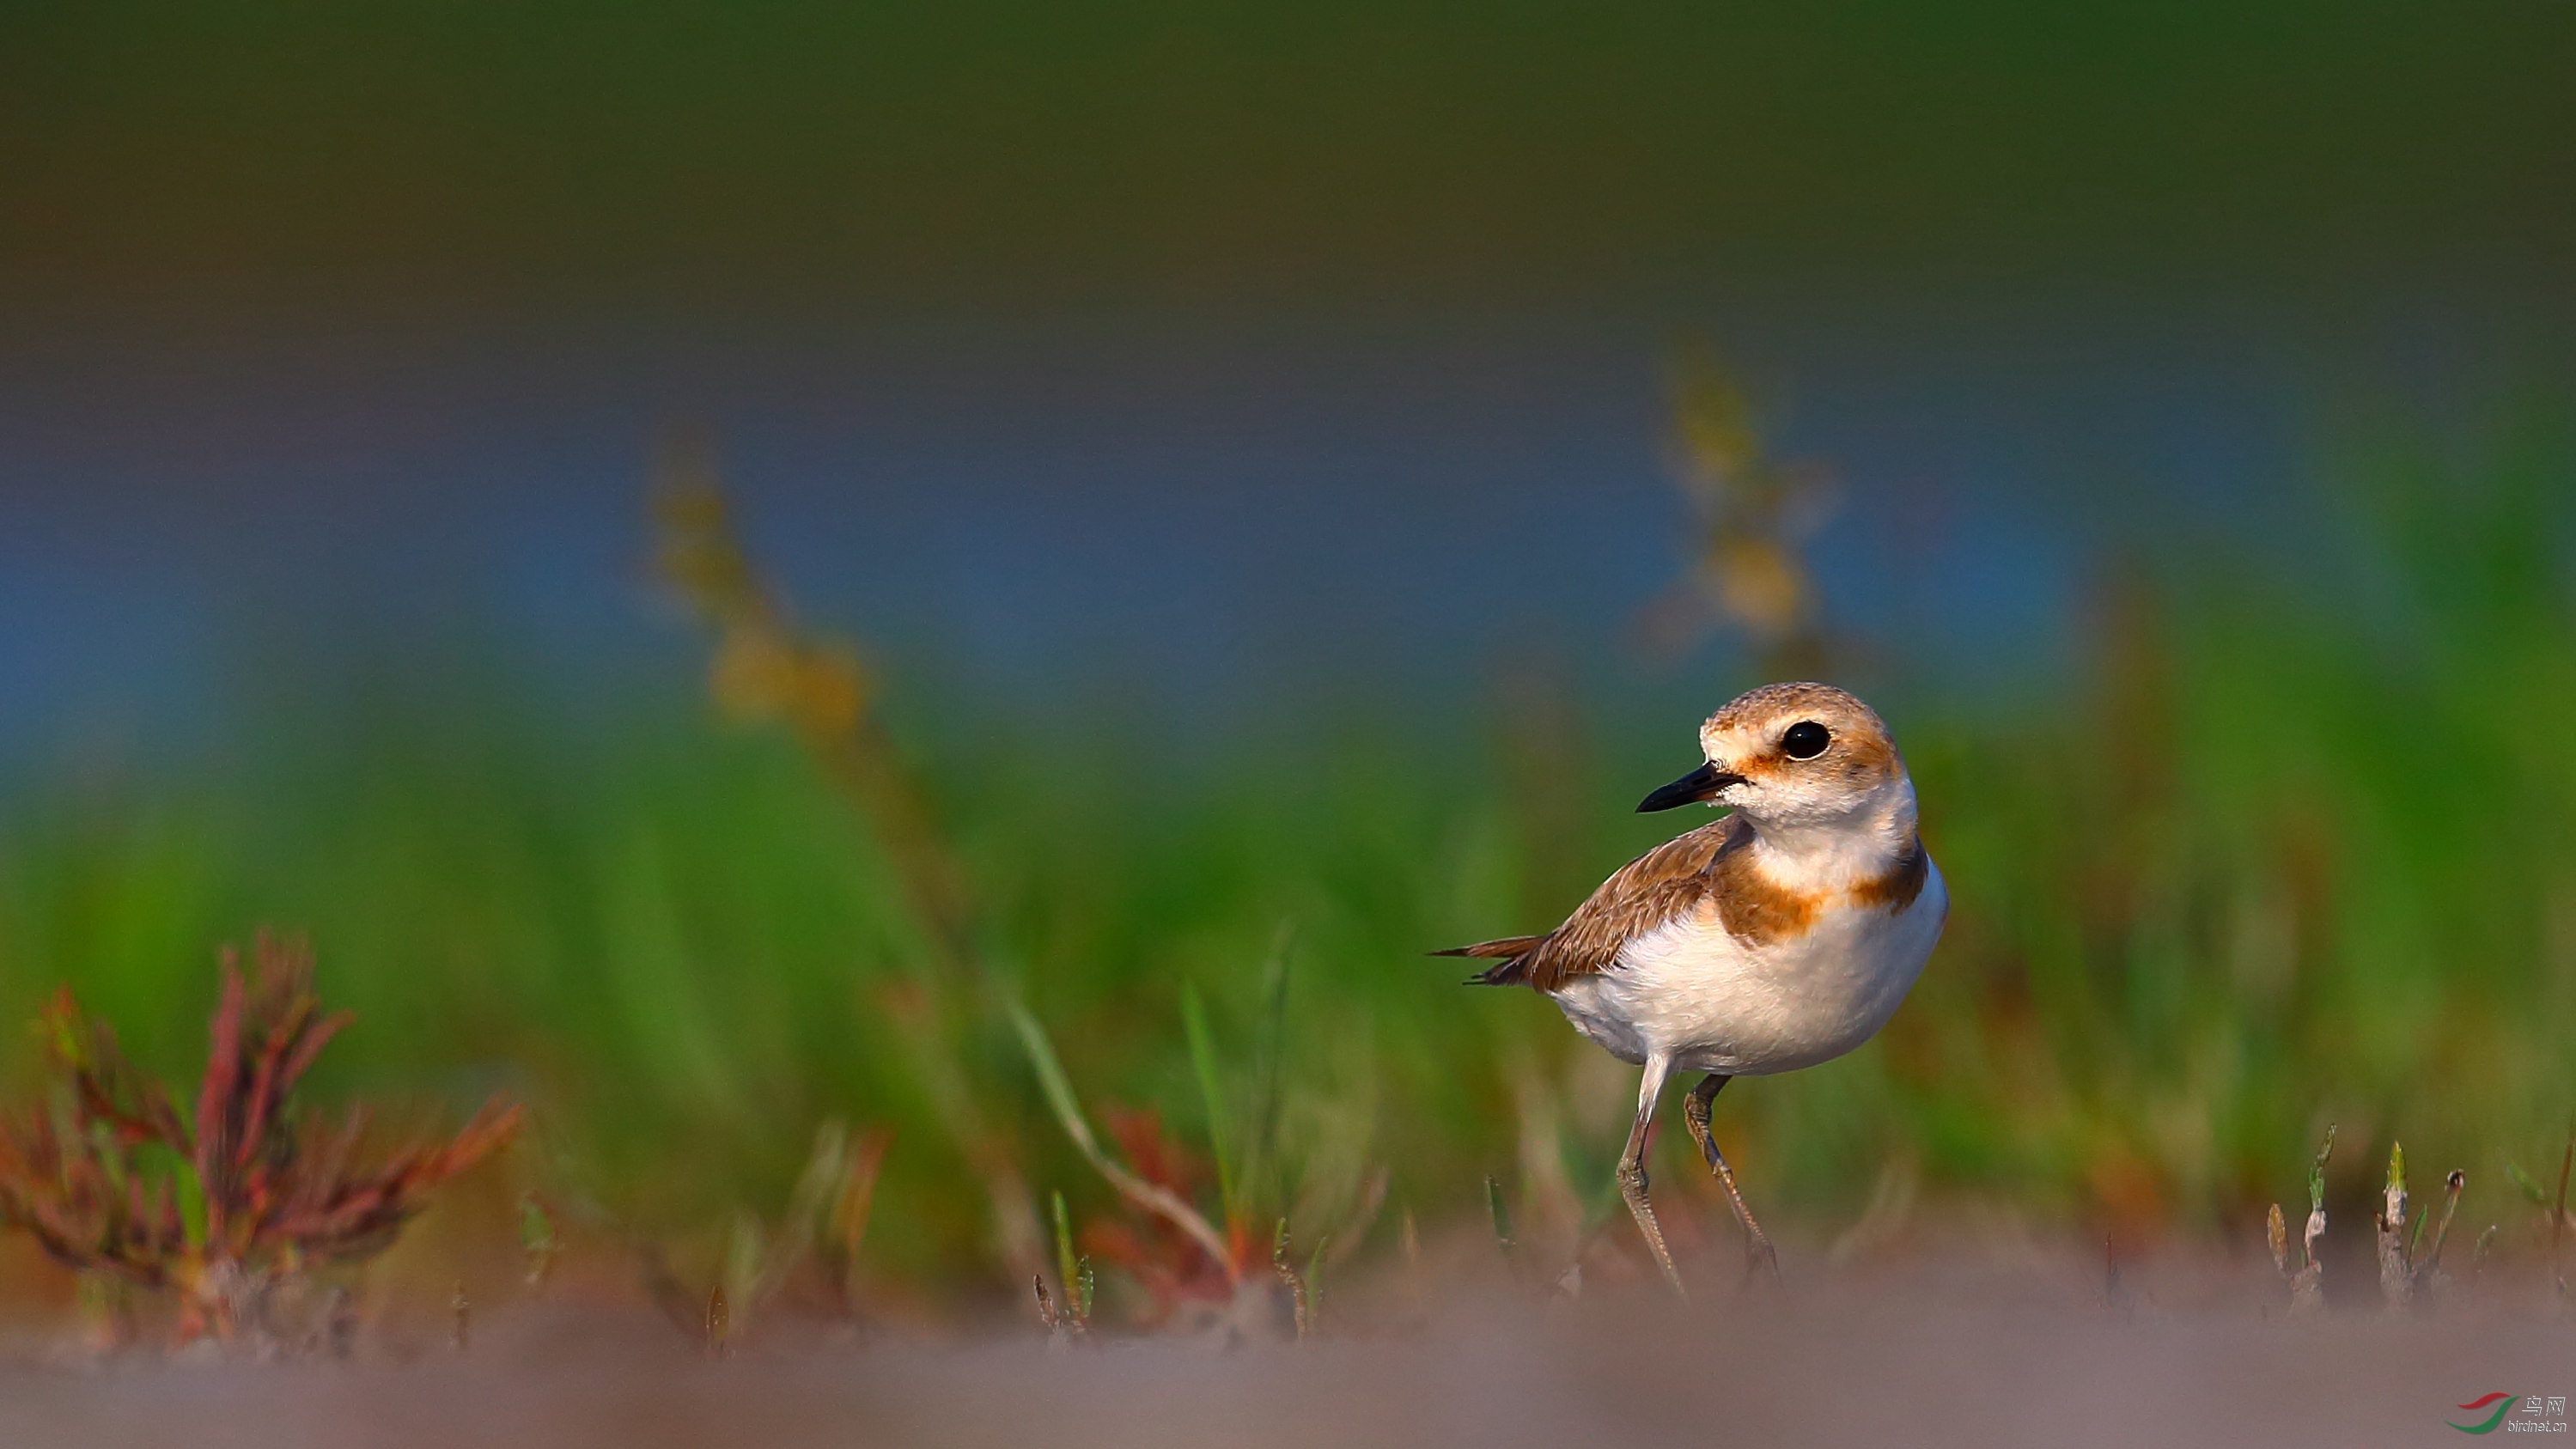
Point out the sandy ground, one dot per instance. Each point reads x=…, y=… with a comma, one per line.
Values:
x=1926, y=1358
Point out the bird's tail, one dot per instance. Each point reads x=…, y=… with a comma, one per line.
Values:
x=1508, y=954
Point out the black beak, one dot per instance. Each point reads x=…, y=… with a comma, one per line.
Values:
x=1700, y=784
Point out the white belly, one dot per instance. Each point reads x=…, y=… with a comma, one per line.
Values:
x=1691, y=992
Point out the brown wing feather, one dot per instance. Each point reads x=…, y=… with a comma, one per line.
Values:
x=1646, y=892
x=1709, y=866
x=1507, y=946
x=1504, y=971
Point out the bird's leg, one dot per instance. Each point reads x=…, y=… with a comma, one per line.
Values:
x=1632, y=1171
x=1758, y=1252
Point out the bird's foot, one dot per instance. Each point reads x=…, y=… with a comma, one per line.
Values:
x=1759, y=1255
x=1758, y=1252
x=1632, y=1190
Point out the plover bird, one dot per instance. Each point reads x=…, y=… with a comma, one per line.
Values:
x=1778, y=937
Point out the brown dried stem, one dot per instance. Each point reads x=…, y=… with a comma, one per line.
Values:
x=2307, y=1288
x=2409, y=1270
x=2396, y=1280
x=1754, y=516
x=109, y=1178
x=768, y=669
x=1152, y=1197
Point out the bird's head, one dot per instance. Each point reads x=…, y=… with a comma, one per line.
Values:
x=1797, y=757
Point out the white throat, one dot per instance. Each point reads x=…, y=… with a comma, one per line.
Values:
x=1813, y=851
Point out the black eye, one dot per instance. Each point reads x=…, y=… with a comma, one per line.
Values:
x=1805, y=740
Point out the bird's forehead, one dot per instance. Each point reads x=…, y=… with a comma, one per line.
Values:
x=1761, y=711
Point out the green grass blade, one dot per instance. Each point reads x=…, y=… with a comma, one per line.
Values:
x=191, y=1195
x=1313, y=1281
x=2317, y=1172
x=1502, y=1215
x=1269, y=1061
x=1051, y=1078
x=1212, y=1096
x=2529, y=1187
x=1069, y=1271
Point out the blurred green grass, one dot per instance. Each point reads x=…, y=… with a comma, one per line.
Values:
x=2284, y=847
